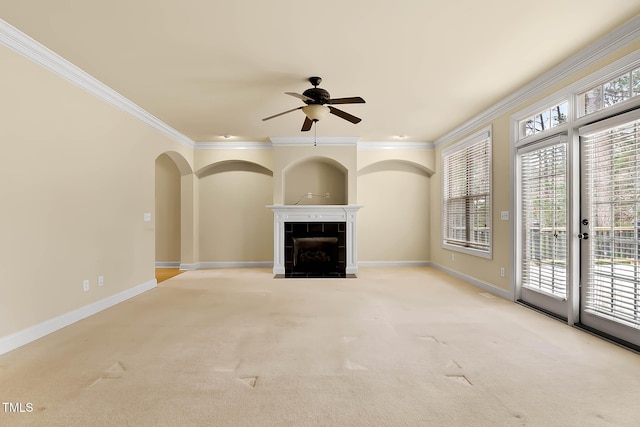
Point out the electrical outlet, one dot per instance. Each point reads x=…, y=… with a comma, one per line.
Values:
x=309, y=195
x=453, y=257
x=502, y=272
x=327, y=195
x=100, y=280
x=85, y=285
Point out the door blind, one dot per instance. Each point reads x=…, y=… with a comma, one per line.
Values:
x=544, y=219
x=612, y=179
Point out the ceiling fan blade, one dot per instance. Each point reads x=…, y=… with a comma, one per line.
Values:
x=344, y=115
x=352, y=100
x=280, y=114
x=307, y=124
x=297, y=95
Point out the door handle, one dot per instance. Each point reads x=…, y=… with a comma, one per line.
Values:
x=583, y=236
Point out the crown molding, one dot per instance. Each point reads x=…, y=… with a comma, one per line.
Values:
x=606, y=45
x=306, y=141
x=391, y=145
x=228, y=145
x=24, y=45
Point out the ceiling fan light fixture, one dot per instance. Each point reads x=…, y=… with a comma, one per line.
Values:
x=315, y=112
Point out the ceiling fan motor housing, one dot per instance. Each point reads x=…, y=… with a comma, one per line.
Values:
x=318, y=95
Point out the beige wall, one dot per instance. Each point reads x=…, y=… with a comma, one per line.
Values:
x=77, y=178
x=167, y=224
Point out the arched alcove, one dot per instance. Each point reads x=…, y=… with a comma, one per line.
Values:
x=318, y=176
x=234, y=223
x=395, y=225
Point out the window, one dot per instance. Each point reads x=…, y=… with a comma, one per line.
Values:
x=611, y=92
x=544, y=120
x=467, y=196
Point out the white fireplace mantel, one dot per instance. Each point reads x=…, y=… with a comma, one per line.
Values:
x=315, y=213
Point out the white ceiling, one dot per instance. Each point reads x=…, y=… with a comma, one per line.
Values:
x=217, y=67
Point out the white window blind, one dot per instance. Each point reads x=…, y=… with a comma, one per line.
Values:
x=612, y=187
x=544, y=218
x=467, y=196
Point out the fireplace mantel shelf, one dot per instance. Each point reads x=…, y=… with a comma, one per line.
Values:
x=293, y=213
x=314, y=213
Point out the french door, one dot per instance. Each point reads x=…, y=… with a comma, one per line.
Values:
x=542, y=244
x=610, y=227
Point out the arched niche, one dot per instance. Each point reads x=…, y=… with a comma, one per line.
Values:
x=234, y=224
x=316, y=175
x=396, y=223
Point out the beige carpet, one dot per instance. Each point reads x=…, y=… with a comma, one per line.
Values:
x=395, y=347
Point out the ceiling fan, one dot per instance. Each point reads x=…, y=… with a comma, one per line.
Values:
x=316, y=98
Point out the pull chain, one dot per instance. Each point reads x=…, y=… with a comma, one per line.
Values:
x=315, y=133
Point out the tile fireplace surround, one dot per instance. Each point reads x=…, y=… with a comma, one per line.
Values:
x=314, y=213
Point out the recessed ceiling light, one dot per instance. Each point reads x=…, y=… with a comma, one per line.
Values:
x=401, y=136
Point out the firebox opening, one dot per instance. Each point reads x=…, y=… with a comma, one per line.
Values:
x=315, y=249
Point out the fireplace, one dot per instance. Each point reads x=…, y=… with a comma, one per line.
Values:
x=325, y=242
x=315, y=249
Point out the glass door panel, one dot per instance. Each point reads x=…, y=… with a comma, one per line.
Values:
x=610, y=298
x=542, y=276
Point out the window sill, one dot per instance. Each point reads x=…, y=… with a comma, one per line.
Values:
x=469, y=251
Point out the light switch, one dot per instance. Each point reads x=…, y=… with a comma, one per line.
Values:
x=147, y=216
x=504, y=215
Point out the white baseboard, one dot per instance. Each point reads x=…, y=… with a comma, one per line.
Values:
x=236, y=264
x=394, y=263
x=18, y=339
x=475, y=282
x=269, y=264
x=226, y=264
x=167, y=264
